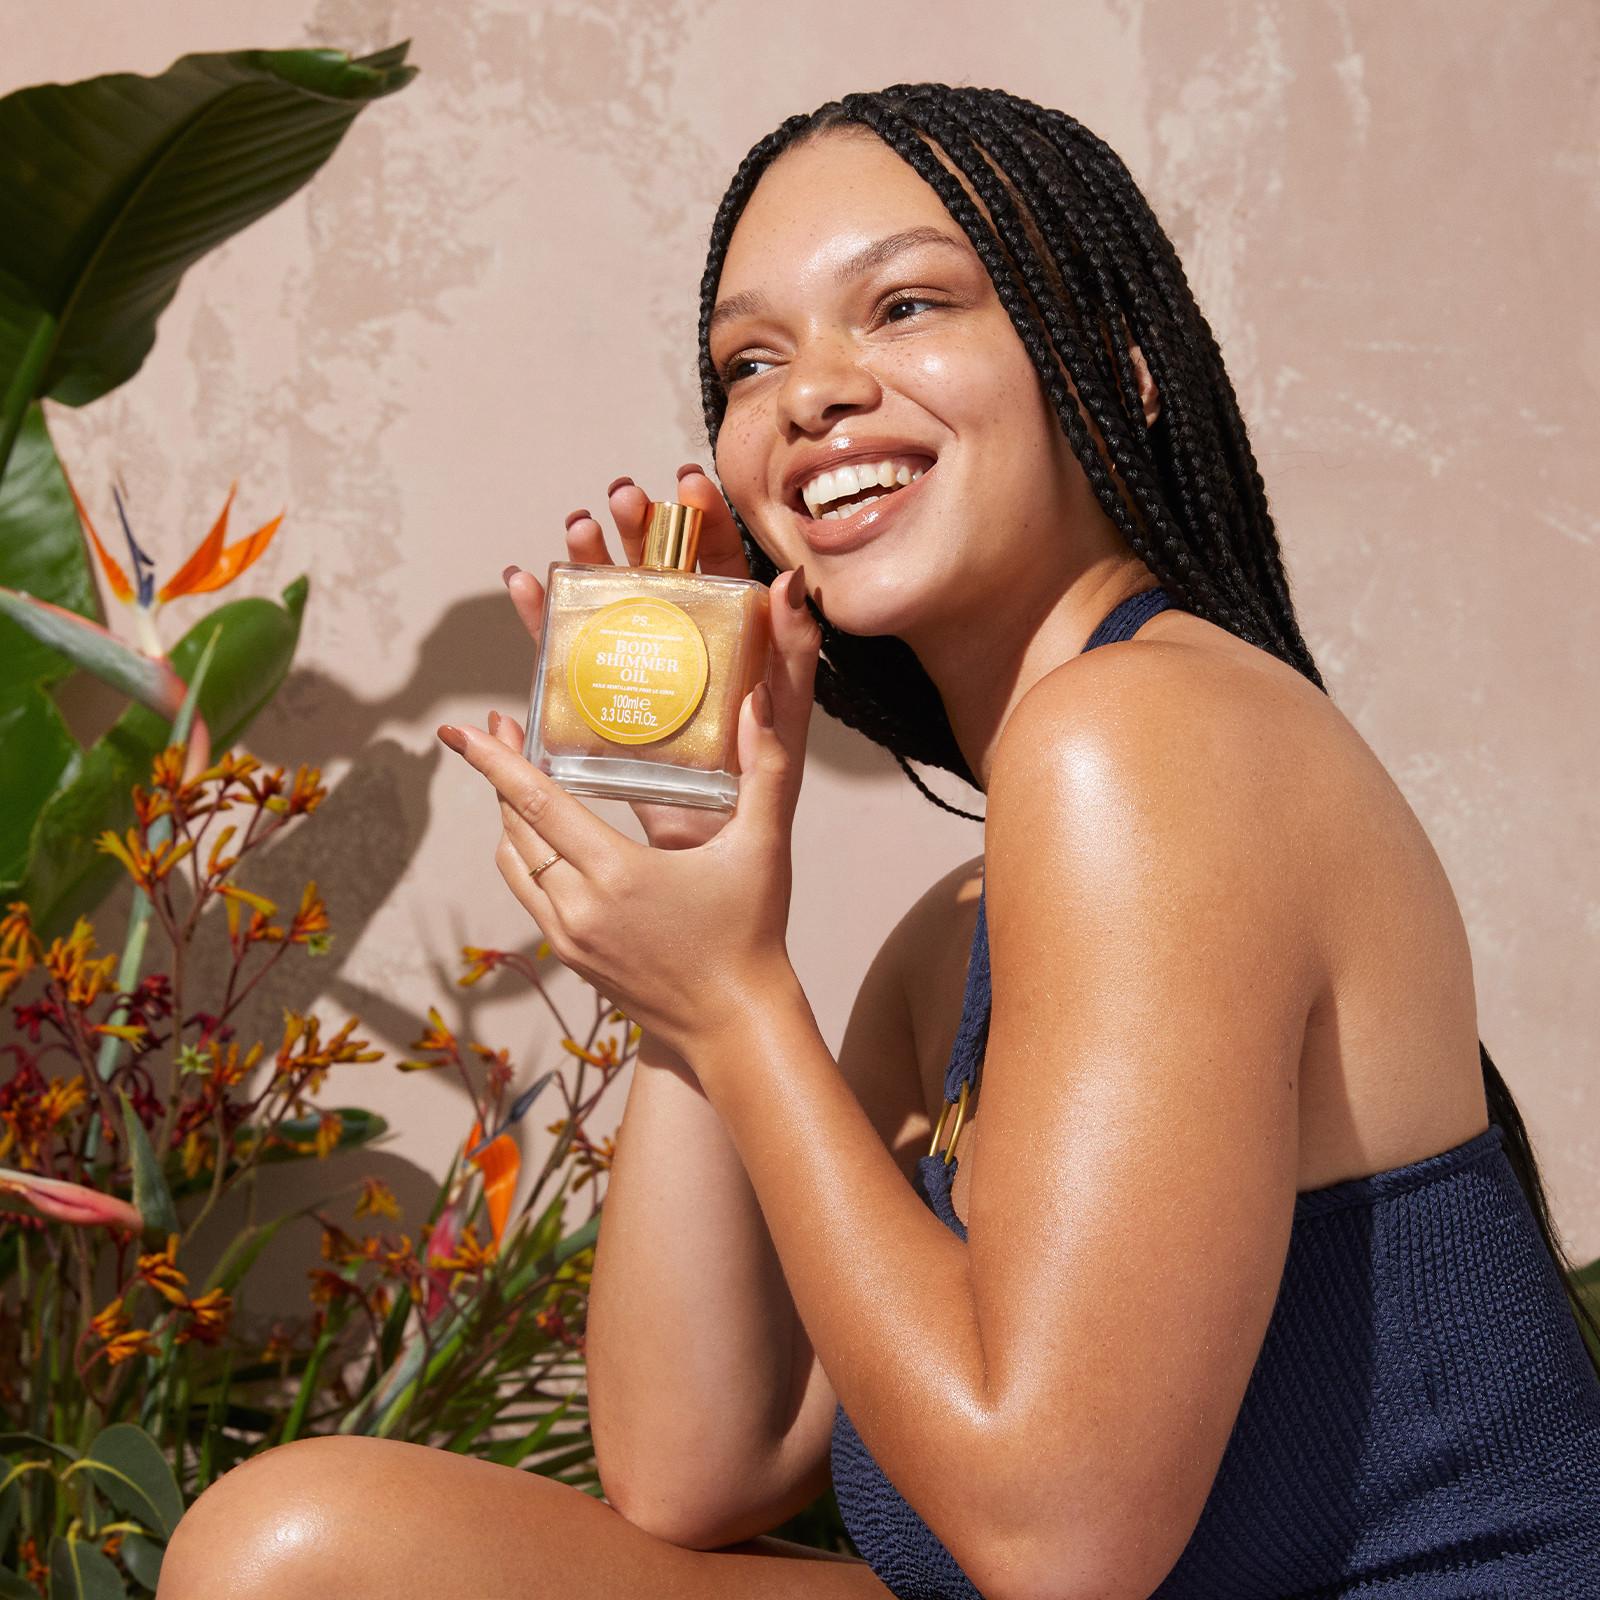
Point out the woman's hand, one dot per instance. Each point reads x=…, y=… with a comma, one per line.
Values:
x=680, y=940
x=667, y=827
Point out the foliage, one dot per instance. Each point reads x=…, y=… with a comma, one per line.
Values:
x=110, y=189
x=126, y=1386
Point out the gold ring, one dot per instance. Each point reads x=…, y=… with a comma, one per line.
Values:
x=549, y=861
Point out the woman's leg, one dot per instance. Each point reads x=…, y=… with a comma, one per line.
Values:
x=358, y=1519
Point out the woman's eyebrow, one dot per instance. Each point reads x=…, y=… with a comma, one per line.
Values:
x=863, y=260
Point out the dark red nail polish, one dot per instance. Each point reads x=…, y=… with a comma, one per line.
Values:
x=505, y=577
x=615, y=484
x=795, y=594
x=581, y=512
x=452, y=736
x=687, y=468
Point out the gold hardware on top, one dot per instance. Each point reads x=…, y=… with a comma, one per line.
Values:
x=955, y=1131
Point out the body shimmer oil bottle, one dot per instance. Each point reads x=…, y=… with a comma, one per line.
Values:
x=642, y=671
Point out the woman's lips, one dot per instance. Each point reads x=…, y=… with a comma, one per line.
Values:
x=850, y=533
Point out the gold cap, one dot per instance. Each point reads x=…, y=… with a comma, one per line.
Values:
x=672, y=536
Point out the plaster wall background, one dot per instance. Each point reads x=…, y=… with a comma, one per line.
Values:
x=482, y=310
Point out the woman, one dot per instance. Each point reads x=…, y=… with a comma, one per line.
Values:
x=1260, y=1295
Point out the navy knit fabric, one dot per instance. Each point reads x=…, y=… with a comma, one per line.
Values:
x=1422, y=1420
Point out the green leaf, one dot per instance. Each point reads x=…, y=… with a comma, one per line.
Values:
x=31, y=1442
x=246, y=1246
x=142, y=1557
x=41, y=756
x=79, y=1572
x=113, y=187
x=41, y=551
x=129, y=1469
x=581, y=1240
x=356, y=1127
x=13, y=1586
x=66, y=874
x=151, y=1197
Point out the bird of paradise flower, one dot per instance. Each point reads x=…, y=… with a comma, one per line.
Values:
x=146, y=673
x=211, y=564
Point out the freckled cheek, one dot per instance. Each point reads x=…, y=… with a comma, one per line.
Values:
x=743, y=467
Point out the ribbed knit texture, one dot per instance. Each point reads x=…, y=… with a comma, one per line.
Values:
x=1422, y=1420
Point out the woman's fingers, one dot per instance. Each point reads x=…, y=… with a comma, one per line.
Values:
x=527, y=599
x=630, y=510
x=721, y=551
x=791, y=676
x=588, y=842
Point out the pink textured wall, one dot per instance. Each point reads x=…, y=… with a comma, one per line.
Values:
x=483, y=310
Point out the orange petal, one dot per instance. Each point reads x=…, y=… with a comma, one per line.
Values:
x=499, y=1163
x=238, y=556
x=115, y=576
x=190, y=577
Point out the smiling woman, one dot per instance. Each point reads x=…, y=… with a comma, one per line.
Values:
x=1249, y=1287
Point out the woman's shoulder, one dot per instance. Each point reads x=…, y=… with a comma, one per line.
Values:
x=1183, y=703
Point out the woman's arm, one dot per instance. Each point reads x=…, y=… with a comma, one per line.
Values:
x=1054, y=1397
x=711, y=1414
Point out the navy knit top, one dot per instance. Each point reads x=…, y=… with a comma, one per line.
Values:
x=1422, y=1421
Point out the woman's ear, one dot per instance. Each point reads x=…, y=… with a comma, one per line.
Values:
x=1149, y=399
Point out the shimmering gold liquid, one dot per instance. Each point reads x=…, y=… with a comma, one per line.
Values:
x=731, y=615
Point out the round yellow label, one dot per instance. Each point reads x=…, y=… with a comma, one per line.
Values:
x=637, y=670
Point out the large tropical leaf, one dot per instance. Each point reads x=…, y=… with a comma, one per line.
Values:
x=41, y=550
x=112, y=187
x=66, y=874
x=41, y=553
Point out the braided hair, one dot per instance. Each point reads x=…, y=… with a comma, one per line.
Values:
x=1084, y=270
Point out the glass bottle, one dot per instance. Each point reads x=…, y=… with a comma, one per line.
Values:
x=642, y=671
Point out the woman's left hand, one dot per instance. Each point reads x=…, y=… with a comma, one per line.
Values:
x=681, y=941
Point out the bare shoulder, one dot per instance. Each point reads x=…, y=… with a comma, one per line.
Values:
x=1194, y=719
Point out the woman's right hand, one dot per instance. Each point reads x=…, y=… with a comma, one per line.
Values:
x=666, y=827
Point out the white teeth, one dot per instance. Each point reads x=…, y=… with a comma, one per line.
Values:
x=852, y=478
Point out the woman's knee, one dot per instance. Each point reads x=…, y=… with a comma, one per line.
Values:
x=280, y=1523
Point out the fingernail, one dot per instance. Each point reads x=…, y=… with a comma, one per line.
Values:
x=505, y=577
x=761, y=704
x=615, y=484
x=687, y=468
x=576, y=515
x=494, y=722
x=795, y=594
x=453, y=737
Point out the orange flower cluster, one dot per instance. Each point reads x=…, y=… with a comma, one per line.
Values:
x=303, y=1053
x=205, y=1316
x=29, y=1112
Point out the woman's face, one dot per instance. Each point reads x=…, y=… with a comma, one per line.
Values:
x=859, y=326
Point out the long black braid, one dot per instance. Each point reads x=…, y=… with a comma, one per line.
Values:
x=1083, y=269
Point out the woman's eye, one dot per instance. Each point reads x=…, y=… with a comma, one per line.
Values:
x=731, y=374
x=906, y=300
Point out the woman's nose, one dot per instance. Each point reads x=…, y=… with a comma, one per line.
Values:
x=825, y=380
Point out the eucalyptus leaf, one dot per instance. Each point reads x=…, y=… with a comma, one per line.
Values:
x=32, y=1442
x=79, y=1572
x=128, y=1467
x=142, y=1557
x=13, y=1586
